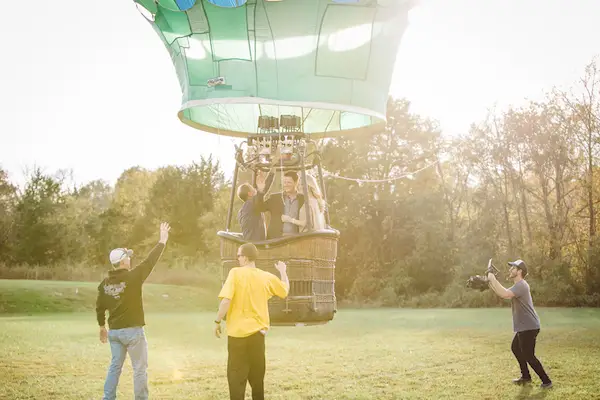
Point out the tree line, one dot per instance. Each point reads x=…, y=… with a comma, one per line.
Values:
x=522, y=183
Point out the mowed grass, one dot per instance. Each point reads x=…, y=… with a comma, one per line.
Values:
x=361, y=354
x=43, y=297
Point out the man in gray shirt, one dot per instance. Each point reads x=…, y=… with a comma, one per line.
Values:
x=526, y=323
x=286, y=203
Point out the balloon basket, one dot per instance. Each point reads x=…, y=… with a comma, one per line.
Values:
x=310, y=259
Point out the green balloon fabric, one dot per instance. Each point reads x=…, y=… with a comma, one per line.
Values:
x=328, y=62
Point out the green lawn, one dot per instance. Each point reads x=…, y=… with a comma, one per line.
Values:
x=27, y=297
x=362, y=354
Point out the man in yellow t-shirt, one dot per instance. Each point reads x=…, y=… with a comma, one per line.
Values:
x=244, y=299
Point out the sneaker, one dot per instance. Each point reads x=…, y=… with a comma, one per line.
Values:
x=546, y=385
x=521, y=381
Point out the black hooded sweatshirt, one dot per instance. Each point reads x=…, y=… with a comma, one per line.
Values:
x=121, y=293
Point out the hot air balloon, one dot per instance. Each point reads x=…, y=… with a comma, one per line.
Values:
x=283, y=74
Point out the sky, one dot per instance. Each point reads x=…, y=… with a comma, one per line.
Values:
x=87, y=86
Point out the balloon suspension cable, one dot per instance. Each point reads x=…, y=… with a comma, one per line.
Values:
x=281, y=158
x=362, y=180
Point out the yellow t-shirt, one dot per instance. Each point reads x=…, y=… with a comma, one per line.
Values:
x=249, y=290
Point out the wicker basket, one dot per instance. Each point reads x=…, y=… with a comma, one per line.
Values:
x=310, y=259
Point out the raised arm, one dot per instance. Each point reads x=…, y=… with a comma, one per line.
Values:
x=143, y=270
x=281, y=287
x=498, y=288
x=261, y=204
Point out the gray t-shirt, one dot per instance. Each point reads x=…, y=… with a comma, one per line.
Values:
x=524, y=316
x=291, y=207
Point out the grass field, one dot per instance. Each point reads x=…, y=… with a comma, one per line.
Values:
x=362, y=354
x=29, y=297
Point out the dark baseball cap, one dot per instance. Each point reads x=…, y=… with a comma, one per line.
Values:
x=519, y=264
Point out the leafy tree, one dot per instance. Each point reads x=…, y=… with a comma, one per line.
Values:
x=8, y=193
x=184, y=196
x=37, y=236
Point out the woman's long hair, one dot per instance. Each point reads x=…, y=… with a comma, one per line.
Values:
x=314, y=191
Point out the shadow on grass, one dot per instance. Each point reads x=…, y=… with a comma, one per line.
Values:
x=526, y=393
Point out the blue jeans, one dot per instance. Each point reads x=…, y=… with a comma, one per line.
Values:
x=123, y=341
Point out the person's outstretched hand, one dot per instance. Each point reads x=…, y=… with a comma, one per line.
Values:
x=164, y=232
x=281, y=267
x=261, y=178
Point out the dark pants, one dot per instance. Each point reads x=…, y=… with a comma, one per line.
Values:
x=246, y=363
x=523, y=347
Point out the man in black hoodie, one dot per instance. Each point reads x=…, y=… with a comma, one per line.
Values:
x=121, y=294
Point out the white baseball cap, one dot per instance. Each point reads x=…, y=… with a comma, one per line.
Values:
x=119, y=254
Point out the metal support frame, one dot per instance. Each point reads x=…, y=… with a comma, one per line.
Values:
x=323, y=191
x=271, y=129
x=233, y=190
x=309, y=225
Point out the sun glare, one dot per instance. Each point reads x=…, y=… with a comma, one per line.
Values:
x=350, y=38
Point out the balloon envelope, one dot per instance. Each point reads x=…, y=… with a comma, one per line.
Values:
x=328, y=62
